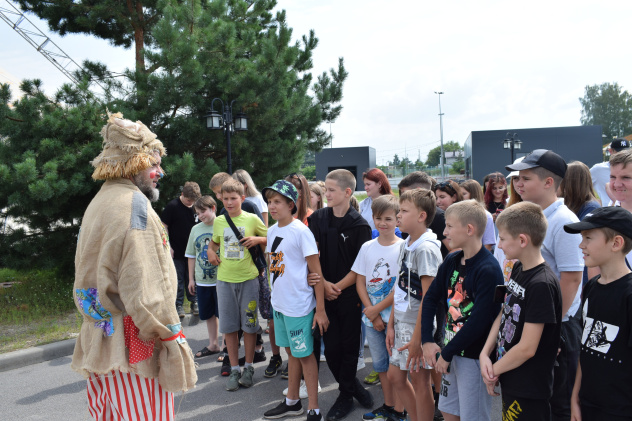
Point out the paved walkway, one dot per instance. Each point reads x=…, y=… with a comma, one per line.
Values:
x=51, y=390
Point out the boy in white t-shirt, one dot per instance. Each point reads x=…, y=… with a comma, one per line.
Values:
x=203, y=274
x=418, y=261
x=376, y=268
x=298, y=309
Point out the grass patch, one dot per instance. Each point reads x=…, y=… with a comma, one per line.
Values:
x=37, y=308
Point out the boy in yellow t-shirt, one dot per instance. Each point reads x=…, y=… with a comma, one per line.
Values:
x=237, y=284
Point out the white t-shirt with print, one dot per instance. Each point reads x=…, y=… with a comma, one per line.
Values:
x=378, y=264
x=288, y=247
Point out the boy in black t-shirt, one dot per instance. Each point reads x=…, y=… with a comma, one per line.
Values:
x=603, y=384
x=526, y=333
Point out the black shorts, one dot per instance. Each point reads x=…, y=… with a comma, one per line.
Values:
x=207, y=301
x=523, y=409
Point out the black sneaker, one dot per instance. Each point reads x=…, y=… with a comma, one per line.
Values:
x=260, y=356
x=275, y=363
x=283, y=410
x=438, y=416
x=225, y=366
x=180, y=311
x=194, y=308
x=313, y=416
x=284, y=374
x=341, y=408
x=362, y=395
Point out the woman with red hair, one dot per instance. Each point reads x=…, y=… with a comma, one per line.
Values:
x=496, y=194
x=375, y=184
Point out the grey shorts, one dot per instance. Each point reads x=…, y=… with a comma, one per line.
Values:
x=238, y=304
x=463, y=392
x=403, y=334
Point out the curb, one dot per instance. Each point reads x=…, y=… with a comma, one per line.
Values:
x=36, y=354
x=42, y=353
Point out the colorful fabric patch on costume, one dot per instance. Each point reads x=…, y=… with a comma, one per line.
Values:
x=139, y=350
x=88, y=301
x=165, y=237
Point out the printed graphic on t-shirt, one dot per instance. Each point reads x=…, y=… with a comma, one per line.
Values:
x=510, y=315
x=201, y=243
x=277, y=267
x=459, y=306
x=598, y=335
x=381, y=282
x=233, y=249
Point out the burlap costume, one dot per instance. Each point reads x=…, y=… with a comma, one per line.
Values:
x=124, y=268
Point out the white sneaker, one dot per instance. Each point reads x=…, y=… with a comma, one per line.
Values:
x=322, y=358
x=302, y=391
x=361, y=364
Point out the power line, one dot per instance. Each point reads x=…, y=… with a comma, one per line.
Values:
x=40, y=41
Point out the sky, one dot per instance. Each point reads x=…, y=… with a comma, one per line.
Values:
x=501, y=65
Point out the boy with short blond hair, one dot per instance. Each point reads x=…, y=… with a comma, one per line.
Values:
x=237, y=286
x=340, y=231
x=418, y=260
x=464, y=286
x=603, y=388
x=540, y=174
x=202, y=274
x=526, y=333
x=377, y=268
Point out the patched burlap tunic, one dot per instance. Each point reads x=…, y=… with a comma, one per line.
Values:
x=124, y=267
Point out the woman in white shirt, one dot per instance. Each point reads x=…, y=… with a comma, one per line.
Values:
x=252, y=194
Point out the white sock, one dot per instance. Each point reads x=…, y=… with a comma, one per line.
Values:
x=290, y=402
x=246, y=365
x=316, y=411
x=234, y=368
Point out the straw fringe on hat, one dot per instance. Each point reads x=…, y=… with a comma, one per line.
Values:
x=128, y=148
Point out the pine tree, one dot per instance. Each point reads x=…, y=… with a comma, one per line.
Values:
x=200, y=50
x=45, y=175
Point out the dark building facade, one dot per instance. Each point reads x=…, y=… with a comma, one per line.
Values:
x=357, y=160
x=484, y=151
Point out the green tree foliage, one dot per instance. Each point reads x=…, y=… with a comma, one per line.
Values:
x=45, y=174
x=610, y=106
x=122, y=23
x=435, y=153
x=200, y=50
x=396, y=160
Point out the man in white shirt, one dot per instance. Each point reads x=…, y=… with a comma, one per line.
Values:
x=601, y=172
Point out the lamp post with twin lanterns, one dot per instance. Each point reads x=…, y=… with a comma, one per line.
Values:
x=512, y=142
x=226, y=122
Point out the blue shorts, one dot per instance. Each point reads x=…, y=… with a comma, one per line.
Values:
x=377, y=345
x=295, y=333
x=207, y=301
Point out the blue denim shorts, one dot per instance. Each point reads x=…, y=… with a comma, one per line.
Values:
x=377, y=345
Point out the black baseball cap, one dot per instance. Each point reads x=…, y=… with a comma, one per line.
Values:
x=544, y=158
x=620, y=144
x=613, y=217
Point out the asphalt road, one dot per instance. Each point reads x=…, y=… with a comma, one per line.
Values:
x=52, y=391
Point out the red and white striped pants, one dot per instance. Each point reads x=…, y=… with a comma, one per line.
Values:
x=126, y=396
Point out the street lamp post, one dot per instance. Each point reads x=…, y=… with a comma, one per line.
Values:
x=442, y=157
x=225, y=122
x=512, y=142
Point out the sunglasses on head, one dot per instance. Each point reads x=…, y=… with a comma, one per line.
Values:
x=444, y=185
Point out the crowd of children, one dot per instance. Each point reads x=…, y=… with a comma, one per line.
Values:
x=434, y=304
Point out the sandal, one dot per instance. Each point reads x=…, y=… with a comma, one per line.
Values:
x=205, y=352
